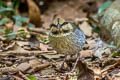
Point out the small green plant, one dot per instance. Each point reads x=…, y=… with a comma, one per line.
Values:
x=8, y=13
x=44, y=40
x=4, y=21
x=102, y=8
x=10, y=34
x=31, y=77
x=19, y=20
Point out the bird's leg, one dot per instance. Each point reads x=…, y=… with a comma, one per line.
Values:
x=62, y=65
x=75, y=64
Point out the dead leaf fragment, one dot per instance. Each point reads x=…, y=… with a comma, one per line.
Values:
x=86, y=28
x=23, y=76
x=21, y=43
x=9, y=25
x=9, y=69
x=97, y=72
x=7, y=78
x=34, y=62
x=23, y=66
x=84, y=72
x=86, y=53
x=48, y=71
x=117, y=76
x=43, y=47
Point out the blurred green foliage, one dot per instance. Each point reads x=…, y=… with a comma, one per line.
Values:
x=43, y=40
x=7, y=9
x=99, y=14
x=1, y=29
x=10, y=34
x=19, y=20
x=8, y=12
x=22, y=33
x=3, y=21
x=116, y=55
x=102, y=8
x=31, y=77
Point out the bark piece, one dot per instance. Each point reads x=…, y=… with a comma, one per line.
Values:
x=111, y=24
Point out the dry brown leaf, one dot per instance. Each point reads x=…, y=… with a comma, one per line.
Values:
x=48, y=71
x=22, y=43
x=7, y=46
x=10, y=46
x=84, y=72
x=16, y=77
x=117, y=76
x=89, y=41
x=15, y=28
x=9, y=25
x=9, y=70
x=100, y=51
x=34, y=13
x=23, y=76
x=43, y=47
x=23, y=66
x=77, y=20
x=97, y=72
x=34, y=62
x=7, y=78
x=86, y=28
x=86, y=53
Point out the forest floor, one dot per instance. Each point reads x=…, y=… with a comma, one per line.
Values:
x=27, y=58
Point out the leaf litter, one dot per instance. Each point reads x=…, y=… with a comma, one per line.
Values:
x=32, y=54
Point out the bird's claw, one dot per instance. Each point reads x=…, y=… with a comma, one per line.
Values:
x=70, y=73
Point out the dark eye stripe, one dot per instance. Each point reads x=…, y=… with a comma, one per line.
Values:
x=64, y=23
x=55, y=32
x=53, y=25
x=59, y=24
x=58, y=20
x=65, y=31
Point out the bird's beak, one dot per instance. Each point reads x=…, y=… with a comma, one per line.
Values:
x=58, y=25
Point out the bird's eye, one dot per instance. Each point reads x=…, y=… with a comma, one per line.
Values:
x=65, y=31
x=55, y=32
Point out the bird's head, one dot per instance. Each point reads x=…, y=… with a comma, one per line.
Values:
x=60, y=27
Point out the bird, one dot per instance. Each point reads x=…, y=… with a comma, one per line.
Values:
x=66, y=38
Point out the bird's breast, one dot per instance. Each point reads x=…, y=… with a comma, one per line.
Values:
x=64, y=44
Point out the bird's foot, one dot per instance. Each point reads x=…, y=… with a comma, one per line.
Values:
x=70, y=73
x=61, y=69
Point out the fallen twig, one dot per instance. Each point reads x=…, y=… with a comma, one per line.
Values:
x=8, y=69
x=24, y=53
x=38, y=30
x=23, y=76
x=39, y=67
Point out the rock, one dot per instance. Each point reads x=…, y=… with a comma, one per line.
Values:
x=110, y=29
